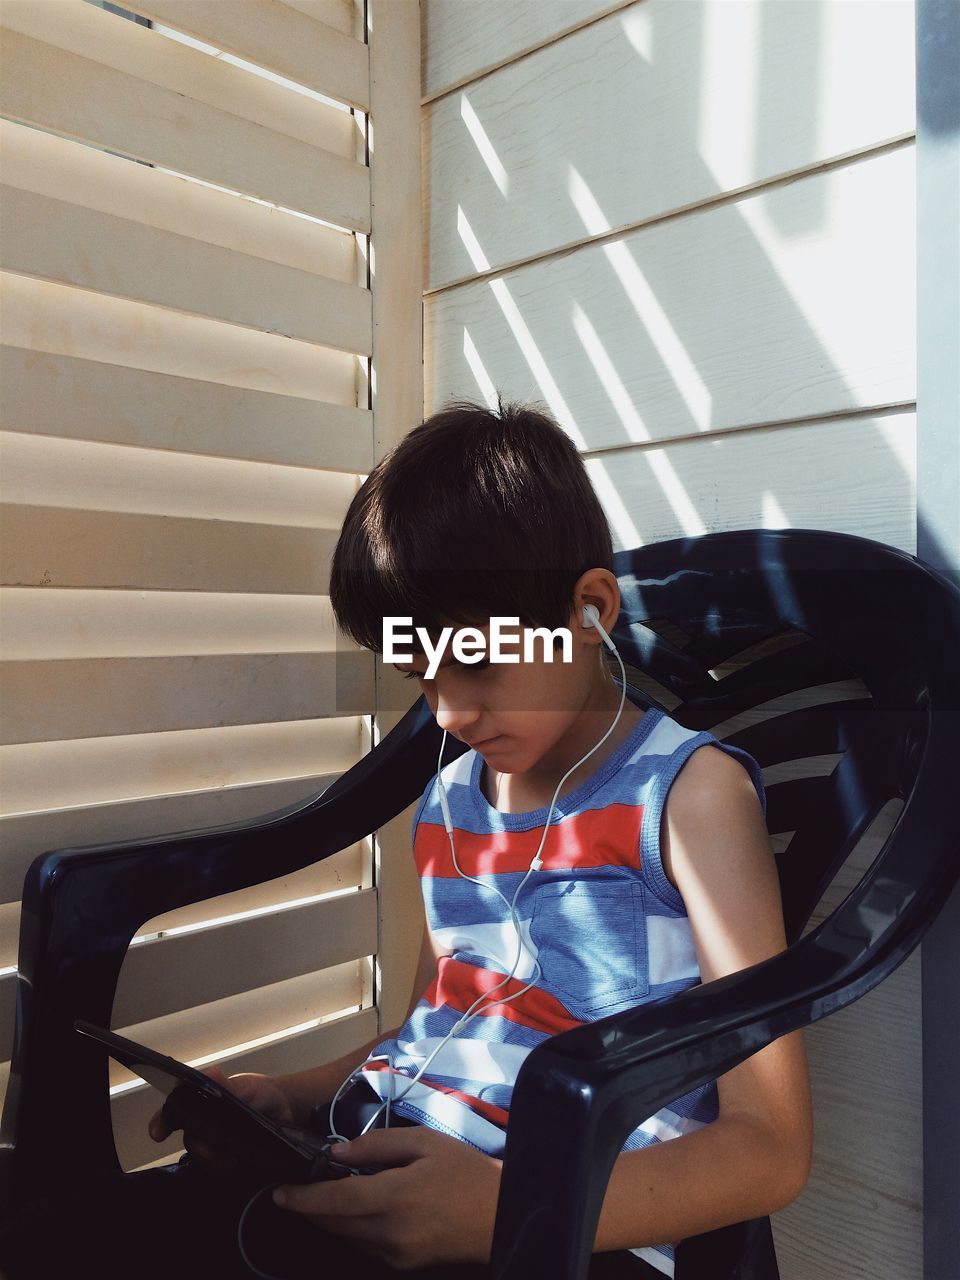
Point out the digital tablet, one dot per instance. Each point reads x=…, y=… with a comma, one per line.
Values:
x=216, y=1115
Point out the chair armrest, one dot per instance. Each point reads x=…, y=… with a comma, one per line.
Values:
x=579, y=1094
x=81, y=907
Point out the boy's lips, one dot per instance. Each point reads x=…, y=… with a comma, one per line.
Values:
x=483, y=743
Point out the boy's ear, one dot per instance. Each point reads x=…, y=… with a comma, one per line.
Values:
x=600, y=588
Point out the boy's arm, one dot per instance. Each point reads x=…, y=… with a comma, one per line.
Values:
x=755, y=1158
x=307, y=1089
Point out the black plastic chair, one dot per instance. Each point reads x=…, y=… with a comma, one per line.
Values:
x=825, y=607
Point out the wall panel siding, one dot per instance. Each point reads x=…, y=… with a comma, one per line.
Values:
x=737, y=350
x=656, y=108
x=768, y=477
x=460, y=46
x=711, y=320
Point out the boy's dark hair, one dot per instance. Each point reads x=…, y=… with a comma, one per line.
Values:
x=475, y=513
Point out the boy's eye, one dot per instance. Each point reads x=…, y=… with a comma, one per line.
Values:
x=463, y=666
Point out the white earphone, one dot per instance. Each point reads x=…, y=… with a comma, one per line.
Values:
x=591, y=618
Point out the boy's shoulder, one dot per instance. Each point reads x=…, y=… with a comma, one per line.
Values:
x=712, y=794
x=709, y=774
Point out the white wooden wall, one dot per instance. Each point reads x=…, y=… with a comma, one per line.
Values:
x=687, y=226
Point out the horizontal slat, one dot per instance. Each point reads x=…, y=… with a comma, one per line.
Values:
x=71, y=95
x=211, y=964
x=24, y=837
x=351, y=868
x=342, y=15
x=713, y=320
x=326, y=1043
x=150, y=767
x=117, y=44
x=54, y=395
x=685, y=489
x=137, y=969
x=62, y=169
x=276, y=37
x=41, y=316
x=90, y=476
x=759, y=74
x=72, y=245
x=457, y=47
x=89, y=697
x=54, y=546
x=38, y=623
x=203, y=1030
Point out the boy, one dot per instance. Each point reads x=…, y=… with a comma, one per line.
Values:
x=585, y=856
x=475, y=515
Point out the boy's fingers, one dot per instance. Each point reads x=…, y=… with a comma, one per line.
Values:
x=201, y=1150
x=384, y=1146
x=158, y=1128
x=342, y=1198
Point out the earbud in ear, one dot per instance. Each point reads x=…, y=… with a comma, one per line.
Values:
x=591, y=618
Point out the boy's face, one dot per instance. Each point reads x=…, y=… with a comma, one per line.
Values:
x=517, y=715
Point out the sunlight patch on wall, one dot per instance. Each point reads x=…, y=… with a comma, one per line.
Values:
x=664, y=337
x=772, y=515
x=638, y=28
x=727, y=139
x=609, y=378
x=518, y=327
x=625, y=532
x=483, y=144
x=472, y=357
x=470, y=242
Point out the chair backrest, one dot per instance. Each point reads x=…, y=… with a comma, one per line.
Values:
x=783, y=612
x=787, y=611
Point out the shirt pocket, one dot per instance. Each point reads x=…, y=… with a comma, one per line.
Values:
x=591, y=942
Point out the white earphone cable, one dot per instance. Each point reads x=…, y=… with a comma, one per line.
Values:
x=484, y=999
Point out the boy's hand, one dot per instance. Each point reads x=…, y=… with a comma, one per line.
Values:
x=437, y=1205
x=257, y=1091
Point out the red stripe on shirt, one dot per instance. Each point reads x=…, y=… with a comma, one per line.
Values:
x=457, y=985
x=596, y=838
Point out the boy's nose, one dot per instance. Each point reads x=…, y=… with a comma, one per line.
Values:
x=454, y=715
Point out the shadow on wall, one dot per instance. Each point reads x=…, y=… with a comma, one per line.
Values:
x=790, y=310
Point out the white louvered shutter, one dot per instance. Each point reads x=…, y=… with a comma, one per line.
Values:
x=187, y=331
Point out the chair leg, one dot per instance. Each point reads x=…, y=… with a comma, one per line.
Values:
x=743, y=1251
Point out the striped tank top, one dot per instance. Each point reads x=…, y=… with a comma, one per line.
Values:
x=607, y=928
